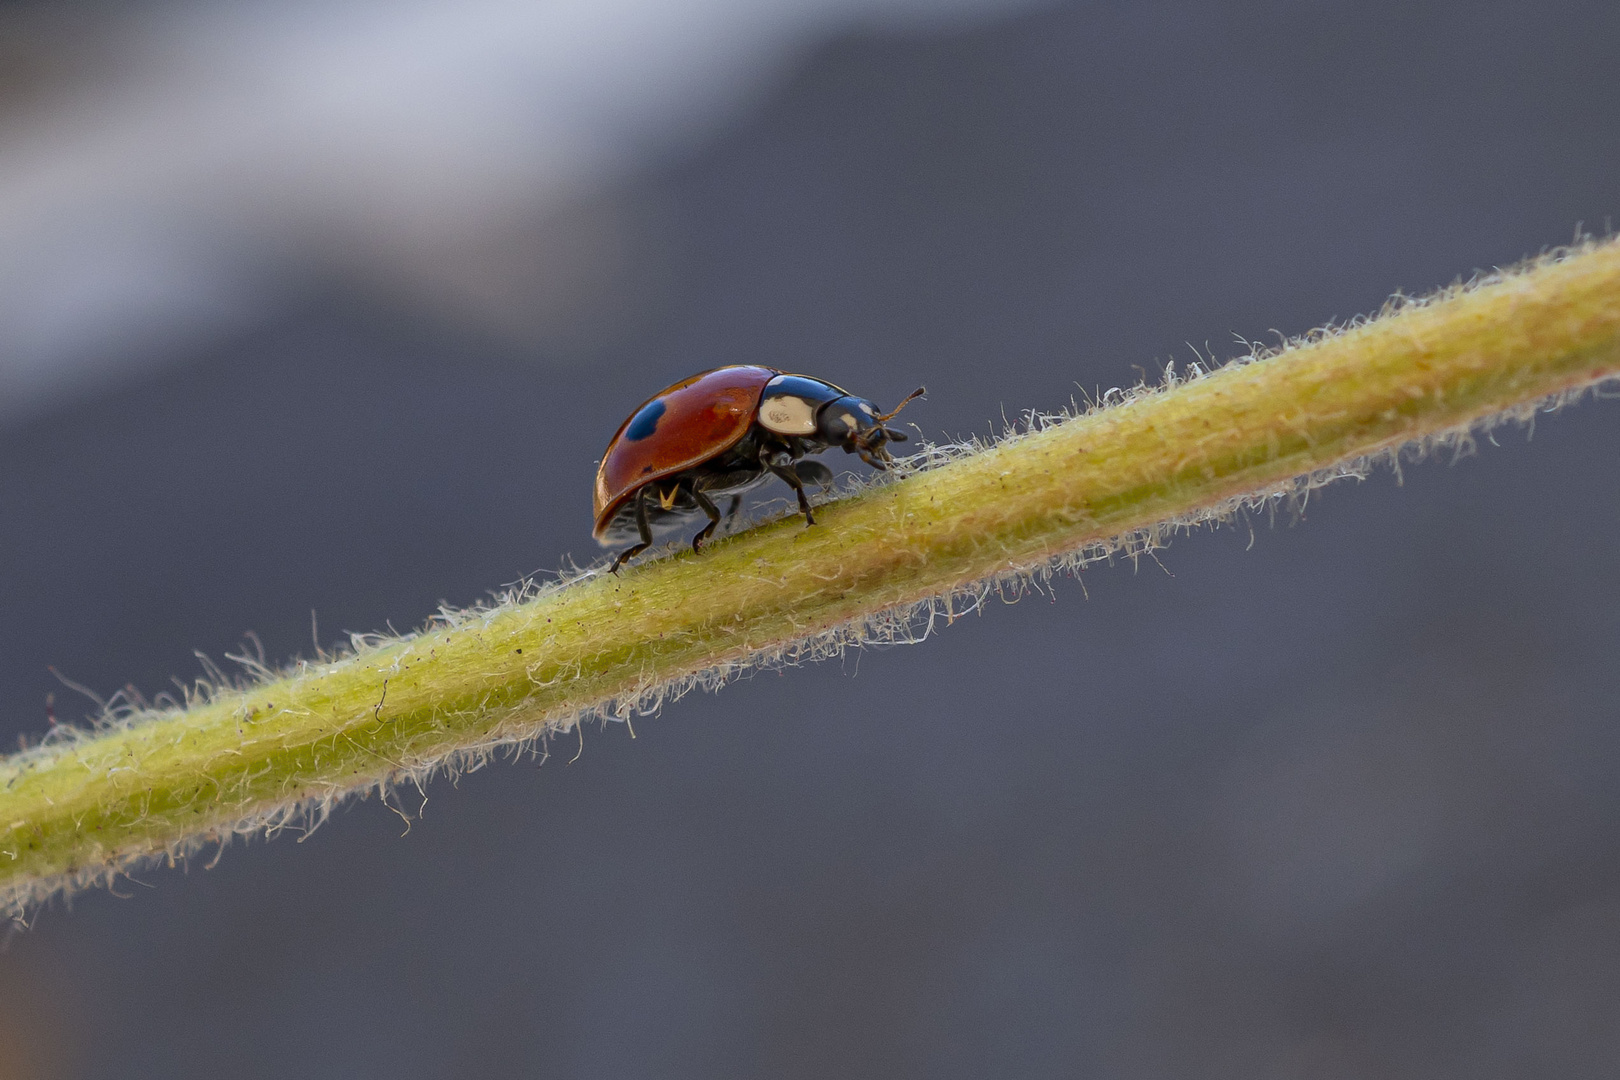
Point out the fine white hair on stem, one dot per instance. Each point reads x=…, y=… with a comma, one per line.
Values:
x=265, y=751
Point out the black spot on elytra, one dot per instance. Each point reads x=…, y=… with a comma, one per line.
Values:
x=645, y=422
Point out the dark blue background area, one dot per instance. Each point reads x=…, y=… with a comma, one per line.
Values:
x=1337, y=797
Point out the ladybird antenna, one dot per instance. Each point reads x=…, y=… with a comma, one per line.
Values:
x=917, y=393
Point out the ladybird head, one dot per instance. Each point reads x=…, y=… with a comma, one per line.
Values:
x=855, y=424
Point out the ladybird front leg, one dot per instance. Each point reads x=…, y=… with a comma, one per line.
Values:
x=814, y=472
x=642, y=527
x=791, y=478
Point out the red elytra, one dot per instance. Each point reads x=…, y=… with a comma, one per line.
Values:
x=703, y=416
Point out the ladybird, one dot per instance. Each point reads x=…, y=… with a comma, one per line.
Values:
x=719, y=433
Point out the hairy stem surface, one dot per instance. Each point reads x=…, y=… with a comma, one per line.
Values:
x=241, y=758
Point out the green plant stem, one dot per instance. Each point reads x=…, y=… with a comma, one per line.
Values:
x=287, y=747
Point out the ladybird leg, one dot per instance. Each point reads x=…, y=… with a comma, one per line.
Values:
x=708, y=507
x=814, y=472
x=642, y=527
x=792, y=480
x=736, y=503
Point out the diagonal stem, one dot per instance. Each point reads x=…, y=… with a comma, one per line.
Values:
x=283, y=750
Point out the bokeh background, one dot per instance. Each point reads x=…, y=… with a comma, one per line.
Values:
x=333, y=305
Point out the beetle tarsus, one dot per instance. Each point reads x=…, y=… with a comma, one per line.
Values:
x=642, y=527
x=707, y=505
x=791, y=478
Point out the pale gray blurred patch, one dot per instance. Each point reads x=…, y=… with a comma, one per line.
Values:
x=180, y=170
x=1326, y=810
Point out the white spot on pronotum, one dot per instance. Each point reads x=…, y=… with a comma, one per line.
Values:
x=849, y=421
x=788, y=415
x=866, y=407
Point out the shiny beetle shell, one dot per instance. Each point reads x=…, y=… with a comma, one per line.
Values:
x=680, y=427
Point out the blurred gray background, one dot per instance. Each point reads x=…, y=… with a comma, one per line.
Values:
x=334, y=305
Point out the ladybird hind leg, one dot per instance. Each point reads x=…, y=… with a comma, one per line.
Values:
x=706, y=504
x=642, y=527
